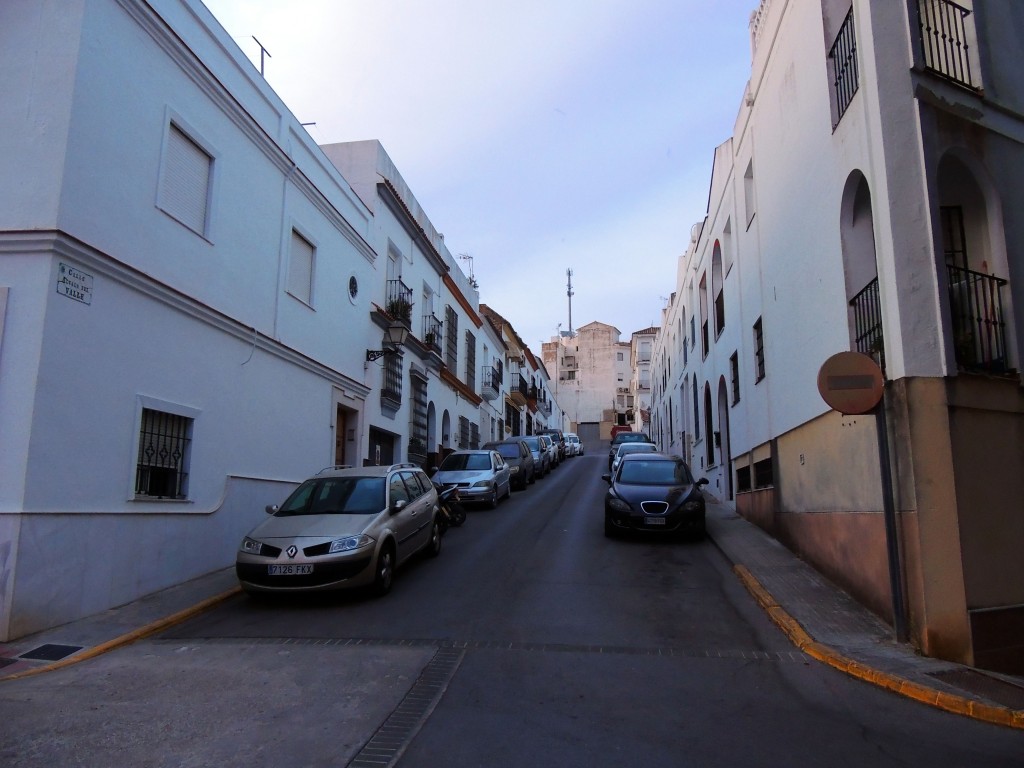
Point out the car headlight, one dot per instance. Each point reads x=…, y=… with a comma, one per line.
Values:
x=482, y=484
x=349, y=543
x=513, y=470
x=693, y=506
x=614, y=502
x=251, y=546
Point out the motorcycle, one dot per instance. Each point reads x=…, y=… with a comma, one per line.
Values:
x=452, y=512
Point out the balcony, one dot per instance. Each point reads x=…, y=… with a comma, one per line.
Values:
x=945, y=28
x=398, y=302
x=867, y=323
x=432, y=327
x=976, y=310
x=518, y=391
x=544, y=408
x=490, y=383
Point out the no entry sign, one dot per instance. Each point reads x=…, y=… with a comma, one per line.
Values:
x=851, y=382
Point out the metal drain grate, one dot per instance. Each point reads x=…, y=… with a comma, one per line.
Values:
x=992, y=688
x=51, y=652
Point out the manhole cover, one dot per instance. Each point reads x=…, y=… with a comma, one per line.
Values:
x=50, y=652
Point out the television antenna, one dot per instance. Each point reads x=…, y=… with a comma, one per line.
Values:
x=472, y=277
x=263, y=53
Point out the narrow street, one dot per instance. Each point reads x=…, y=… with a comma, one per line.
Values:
x=548, y=645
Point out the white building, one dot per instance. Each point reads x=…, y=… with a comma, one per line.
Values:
x=866, y=201
x=190, y=295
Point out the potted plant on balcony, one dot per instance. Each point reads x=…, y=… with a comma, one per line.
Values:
x=400, y=309
x=429, y=339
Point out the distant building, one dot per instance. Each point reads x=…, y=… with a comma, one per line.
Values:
x=593, y=380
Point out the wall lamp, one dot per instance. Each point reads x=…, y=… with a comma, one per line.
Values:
x=396, y=336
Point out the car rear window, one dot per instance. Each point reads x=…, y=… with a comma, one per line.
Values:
x=654, y=473
x=458, y=462
x=507, y=450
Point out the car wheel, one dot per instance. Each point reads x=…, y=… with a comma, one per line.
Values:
x=492, y=501
x=434, y=547
x=533, y=478
x=508, y=490
x=385, y=571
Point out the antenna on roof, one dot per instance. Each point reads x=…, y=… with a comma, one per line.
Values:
x=568, y=292
x=468, y=258
x=263, y=52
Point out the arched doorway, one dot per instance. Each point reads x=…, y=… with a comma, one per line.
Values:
x=722, y=436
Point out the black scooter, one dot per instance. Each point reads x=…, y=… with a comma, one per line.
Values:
x=452, y=512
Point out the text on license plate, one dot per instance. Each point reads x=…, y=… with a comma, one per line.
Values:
x=654, y=520
x=289, y=570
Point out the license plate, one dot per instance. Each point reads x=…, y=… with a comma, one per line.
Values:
x=654, y=520
x=289, y=570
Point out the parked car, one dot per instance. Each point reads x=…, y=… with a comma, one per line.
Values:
x=618, y=438
x=653, y=493
x=628, y=448
x=559, y=439
x=519, y=458
x=573, y=446
x=342, y=528
x=541, y=457
x=552, y=449
x=480, y=475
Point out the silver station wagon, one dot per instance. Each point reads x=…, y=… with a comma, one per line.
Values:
x=344, y=527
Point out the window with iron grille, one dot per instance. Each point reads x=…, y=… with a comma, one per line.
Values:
x=451, y=330
x=163, y=462
x=471, y=360
x=764, y=474
x=842, y=61
x=758, y=350
x=391, y=385
x=418, y=417
x=734, y=375
x=743, y=479
x=474, y=436
x=464, y=432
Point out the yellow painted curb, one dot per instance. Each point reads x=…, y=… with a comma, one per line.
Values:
x=150, y=629
x=989, y=713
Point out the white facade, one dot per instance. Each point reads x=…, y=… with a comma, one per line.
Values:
x=188, y=291
x=863, y=203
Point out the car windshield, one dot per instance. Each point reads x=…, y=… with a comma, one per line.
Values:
x=459, y=462
x=654, y=473
x=534, y=443
x=507, y=450
x=336, y=496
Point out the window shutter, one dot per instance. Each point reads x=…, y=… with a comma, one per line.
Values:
x=300, y=269
x=186, y=181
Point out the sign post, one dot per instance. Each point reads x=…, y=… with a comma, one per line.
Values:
x=852, y=383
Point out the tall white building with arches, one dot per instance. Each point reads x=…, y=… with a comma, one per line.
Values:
x=869, y=199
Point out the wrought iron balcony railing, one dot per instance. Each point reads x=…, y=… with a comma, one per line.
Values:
x=944, y=40
x=432, y=326
x=976, y=310
x=490, y=382
x=845, y=75
x=867, y=323
x=398, y=302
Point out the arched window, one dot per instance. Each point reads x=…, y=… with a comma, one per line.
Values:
x=717, y=289
x=709, y=428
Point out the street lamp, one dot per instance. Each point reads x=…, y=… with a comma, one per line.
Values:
x=396, y=336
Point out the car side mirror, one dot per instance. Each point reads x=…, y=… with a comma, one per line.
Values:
x=703, y=481
x=271, y=509
x=607, y=478
x=399, y=505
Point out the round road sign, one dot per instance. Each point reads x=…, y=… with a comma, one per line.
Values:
x=851, y=382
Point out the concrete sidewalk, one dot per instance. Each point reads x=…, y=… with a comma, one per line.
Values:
x=831, y=627
x=819, y=618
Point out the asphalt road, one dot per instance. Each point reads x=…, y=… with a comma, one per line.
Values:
x=531, y=641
